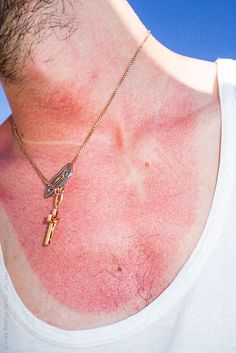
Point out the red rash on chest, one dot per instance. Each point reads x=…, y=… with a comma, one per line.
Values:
x=121, y=229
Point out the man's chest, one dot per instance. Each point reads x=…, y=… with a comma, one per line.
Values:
x=126, y=229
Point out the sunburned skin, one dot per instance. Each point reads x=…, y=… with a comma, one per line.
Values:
x=125, y=216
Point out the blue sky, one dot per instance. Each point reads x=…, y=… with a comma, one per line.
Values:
x=200, y=29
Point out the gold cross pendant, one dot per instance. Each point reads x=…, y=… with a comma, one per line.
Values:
x=53, y=216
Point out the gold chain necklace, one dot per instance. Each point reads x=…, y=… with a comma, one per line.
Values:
x=55, y=186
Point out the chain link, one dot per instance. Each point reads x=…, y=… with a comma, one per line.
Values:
x=92, y=130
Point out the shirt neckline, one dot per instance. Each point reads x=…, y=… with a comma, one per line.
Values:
x=159, y=306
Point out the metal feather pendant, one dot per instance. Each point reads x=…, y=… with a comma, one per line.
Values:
x=59, y=180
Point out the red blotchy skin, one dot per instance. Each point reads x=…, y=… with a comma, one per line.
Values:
x=117, y=238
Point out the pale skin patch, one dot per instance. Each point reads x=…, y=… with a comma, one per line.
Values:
x=113, y=247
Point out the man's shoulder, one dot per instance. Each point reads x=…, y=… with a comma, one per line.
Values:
x=193, y=84
x=199, y=75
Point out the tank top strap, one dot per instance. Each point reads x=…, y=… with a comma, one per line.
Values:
x=227, y=85
x=227, y=93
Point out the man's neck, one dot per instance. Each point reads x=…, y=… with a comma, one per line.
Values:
x=68, y=82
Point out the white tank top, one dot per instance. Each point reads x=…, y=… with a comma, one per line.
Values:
x=196, y=313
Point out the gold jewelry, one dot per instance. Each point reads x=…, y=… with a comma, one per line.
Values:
x=56, y=185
